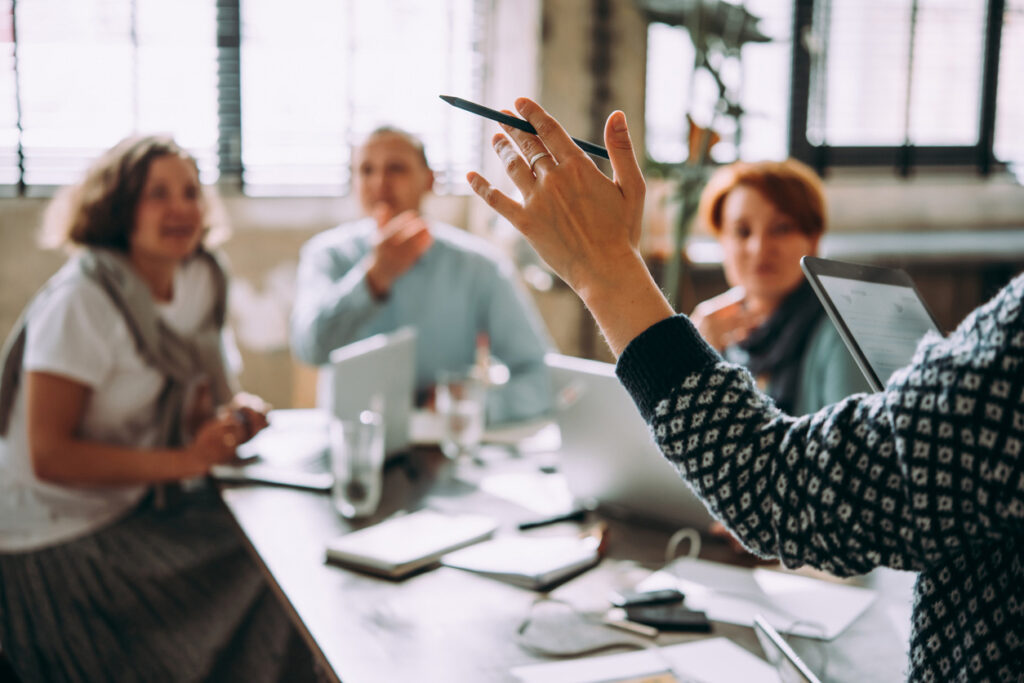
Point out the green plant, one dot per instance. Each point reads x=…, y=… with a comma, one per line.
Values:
x=718, y=30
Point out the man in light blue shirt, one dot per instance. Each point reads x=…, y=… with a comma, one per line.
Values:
x=397, y=268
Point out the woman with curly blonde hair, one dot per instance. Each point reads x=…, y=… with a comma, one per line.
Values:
x=117, y=560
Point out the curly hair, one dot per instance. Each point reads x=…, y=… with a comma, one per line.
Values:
x=792, y=186
x=99, y=210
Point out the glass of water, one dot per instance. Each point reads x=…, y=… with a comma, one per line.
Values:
x=461, y=399
x=357, y=461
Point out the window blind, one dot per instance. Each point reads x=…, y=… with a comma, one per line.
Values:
x=313, y=90
x=93, y=71
x=894, y=72
x=269, y=96
x=10, y=160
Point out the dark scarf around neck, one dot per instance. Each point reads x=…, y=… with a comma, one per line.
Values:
x=776, y=348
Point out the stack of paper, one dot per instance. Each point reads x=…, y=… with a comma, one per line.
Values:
x=401, y=545
x=531, y=562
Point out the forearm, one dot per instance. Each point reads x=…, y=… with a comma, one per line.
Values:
x=328, y=313
x=623, y=312
x=78, y=462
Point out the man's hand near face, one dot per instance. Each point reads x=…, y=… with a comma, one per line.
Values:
x=401, y=241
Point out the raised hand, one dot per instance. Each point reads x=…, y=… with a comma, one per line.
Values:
x=583, y=224
x=580, y=221
x=401, y=240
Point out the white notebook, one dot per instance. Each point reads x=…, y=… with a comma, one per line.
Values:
x=531, y=562
x=401, y=545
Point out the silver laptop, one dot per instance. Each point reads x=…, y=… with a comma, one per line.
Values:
x=377, y=373
x=608, y=456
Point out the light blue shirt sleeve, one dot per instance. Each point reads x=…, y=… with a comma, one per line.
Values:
x=332, y=299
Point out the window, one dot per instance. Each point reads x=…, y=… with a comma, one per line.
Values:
x=90, y=72
x=310, y=90
x=760, y=77
x=10, y=161
x=1009, y=133
x=907, y=82
x=266, y=94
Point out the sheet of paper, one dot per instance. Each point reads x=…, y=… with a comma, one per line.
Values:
x=714, y=660
x=793, y=604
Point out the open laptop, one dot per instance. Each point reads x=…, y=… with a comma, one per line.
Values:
x=607, y=454
x=877, y=311
x=376, y=373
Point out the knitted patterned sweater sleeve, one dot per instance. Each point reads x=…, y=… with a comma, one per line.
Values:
x=902, y=478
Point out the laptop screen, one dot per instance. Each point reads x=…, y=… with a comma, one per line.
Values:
x=378, y=373
x=608, y=455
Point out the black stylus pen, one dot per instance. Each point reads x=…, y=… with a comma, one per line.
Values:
x=575, y=515
x=494, y=115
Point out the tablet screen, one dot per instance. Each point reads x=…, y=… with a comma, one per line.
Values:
x=879, y=314
x=886, y=321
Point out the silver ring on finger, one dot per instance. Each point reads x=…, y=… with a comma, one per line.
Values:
x=537, y=157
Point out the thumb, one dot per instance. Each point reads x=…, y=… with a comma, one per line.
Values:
x=382, y=213
x=620, y=153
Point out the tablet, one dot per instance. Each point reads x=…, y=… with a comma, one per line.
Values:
x=878, y=312
x=790, y=667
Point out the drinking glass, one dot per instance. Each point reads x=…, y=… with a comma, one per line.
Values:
x=357, y=461
x=461, y=404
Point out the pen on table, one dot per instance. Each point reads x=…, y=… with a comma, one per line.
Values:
x=575, y=515
x=494, y=115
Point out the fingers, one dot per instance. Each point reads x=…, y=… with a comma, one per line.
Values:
x=620, y=152
x=516, y=168
x=396, y=224
x=532, y=148
x=550, y=132
x=407, y=233
x=510, y=209
x=251, y=422
x=382, y=213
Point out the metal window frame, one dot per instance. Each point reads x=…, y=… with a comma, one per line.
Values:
x=903, y=158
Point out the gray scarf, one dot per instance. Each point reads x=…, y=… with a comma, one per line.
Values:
x=182, y=362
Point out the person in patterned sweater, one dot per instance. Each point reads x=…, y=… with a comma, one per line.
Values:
x=924, y=476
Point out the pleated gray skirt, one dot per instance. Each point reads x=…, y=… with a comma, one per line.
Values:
x=163, y=595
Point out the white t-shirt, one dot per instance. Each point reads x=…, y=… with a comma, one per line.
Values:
x=78, y=333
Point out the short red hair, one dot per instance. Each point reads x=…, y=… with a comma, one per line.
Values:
x=792, y=186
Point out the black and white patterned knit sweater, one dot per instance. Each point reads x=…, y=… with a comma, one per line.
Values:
x=926, y=476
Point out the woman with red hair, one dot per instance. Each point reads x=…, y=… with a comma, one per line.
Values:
x=767, y=215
